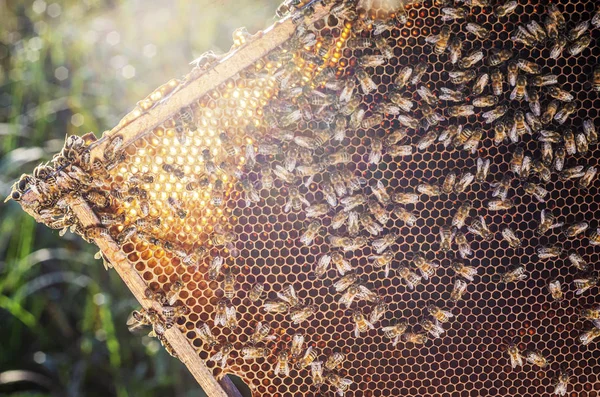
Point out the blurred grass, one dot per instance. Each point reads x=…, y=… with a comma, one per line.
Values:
x=70, y=67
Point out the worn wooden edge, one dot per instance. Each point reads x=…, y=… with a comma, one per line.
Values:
x=185, y=351
x=195, y=87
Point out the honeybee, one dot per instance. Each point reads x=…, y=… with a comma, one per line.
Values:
x=448, y=183
x=455, y=50
x=492, y=115
x=589, y=130
x=556, y=15
x=596, y=79
x=297, y=345
x=340, y=384
x=310, y=355
x=408, y=121
x=576, y=229
x=497, y=82
x=256, y=292
x=562, y=383
x=222, y=355
x=461, y=111
x=560, y=94
x=418, y=72
x=174, y=291
x=229, y=285
x=426, y=268
x=311, y=233
x=429, y=189
x=282, y=366
x=585, y=283
x=126, y=234
x=485, y=101
x=460, y=287
x=571, y=173
x=499, y=132
x=225, y=315
x=460, y=77
x=402, y=79
x=432, y=327
x=205, y=334
x=96, y=198
x=415, y=338
x=499, y=205
x=471, y=59
x=322, y=265
x=516, y=359
x=587, y=177
x=399, y=150
x=448, y=94
x=536, y=191
x=536, y=358
x=253, y=352
x=261, y=334
x=440, y=40
x=394, y=137
x=353, y=201
x=517, y=274
x=345, y=282
x=577, y=261
x=461, y=215
x=383, y=243
x=143, y=317
x=378, y=311
x=342, y=265
x=446, y=237
x=519, y=90
x=427, y=140
x=334, y=360
x=502, y=10
x=383, y=261
x=547, y=222
x=395, y=332
x=480, y=228
x=316, y=373
x=288, y=295
x=555, y=290
x=451, y=14
x=463, y=182
x=549, y=113
x=547, y=252
x=359, y=292
x=511, y=238
x=501, y=188
x=483, y=168
x=477, y=30
x=317, y=210
x=302, y=313
x=173, y=313
x=361, y=324
x=464, y=248
x=366, y=83
x=592, y=313
x=467, y=272
x=579, y=45
x=410, y=278
x=176, y=207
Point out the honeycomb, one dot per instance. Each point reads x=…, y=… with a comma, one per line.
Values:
x=194, y=191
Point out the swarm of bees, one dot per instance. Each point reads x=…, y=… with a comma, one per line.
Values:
x=324, y=89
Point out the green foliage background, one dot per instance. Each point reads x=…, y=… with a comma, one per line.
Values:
x=69, y=67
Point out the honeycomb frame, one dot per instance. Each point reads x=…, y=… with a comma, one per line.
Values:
x=473, y=351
